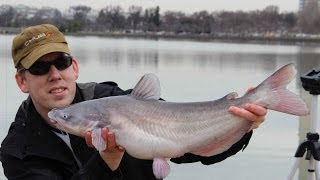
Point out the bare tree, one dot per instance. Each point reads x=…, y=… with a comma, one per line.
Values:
x=152, y=19
x=135, y=16
x=173, y=21
x=7, y=15
x=270, y=16
x=112, y=18
x=47, y=15
x=80, y=18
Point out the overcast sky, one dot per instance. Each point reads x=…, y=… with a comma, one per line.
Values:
x=188, y=6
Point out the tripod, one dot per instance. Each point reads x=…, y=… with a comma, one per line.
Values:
x=310, y=82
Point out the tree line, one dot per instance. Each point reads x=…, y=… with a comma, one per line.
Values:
x=136, y=19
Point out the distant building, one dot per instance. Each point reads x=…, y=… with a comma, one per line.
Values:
x=4, y=8
x=303, y=3
x=69, y=13
x=91, y=15
x=49, y=13
x=25, y=11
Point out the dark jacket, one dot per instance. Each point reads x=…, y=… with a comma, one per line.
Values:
x=32, y=150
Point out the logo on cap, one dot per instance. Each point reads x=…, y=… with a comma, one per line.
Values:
x=41, y=35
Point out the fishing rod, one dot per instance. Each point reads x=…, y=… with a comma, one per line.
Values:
x=311, y=146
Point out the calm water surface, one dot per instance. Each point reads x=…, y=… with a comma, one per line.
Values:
x=190, y=71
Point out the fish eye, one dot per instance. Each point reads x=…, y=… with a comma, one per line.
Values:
x=65, y=116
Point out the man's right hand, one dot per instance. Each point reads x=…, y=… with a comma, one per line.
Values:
x=113, y=154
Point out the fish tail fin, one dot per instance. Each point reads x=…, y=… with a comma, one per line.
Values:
x=272, y=93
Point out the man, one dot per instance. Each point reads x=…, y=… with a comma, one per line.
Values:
x=33, y=149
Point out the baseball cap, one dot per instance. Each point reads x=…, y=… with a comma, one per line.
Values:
x=35, y=41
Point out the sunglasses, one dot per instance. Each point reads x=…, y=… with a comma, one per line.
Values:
x=42, y=68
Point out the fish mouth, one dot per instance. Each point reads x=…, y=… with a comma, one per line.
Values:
x=53, y=121
x=50, y=114
x=52, y=117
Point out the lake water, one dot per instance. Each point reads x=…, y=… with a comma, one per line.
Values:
x=190, y=71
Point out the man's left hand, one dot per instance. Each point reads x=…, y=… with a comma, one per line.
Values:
x=250, y=112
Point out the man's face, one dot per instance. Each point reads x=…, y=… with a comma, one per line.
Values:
x=52, y=90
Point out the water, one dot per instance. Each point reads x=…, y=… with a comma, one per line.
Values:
x=189, y=71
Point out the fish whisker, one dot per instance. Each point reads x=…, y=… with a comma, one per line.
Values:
x=60, y=126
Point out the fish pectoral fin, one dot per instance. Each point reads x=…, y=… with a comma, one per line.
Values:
x=147, y=88
x=161, y=168
x=97, y=140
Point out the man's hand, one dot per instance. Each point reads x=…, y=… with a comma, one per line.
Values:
x=113, y=154
x=251, y=112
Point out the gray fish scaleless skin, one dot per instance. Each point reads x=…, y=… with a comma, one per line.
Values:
x=148, y=128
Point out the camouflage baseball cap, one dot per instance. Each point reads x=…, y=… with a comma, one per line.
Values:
x=36, y=41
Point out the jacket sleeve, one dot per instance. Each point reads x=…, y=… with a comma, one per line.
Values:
x=240, y=145
x=39, y=169
x=18, y=169
x=96, y=168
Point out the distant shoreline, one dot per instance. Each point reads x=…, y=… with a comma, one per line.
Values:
x=196, y=37
x=204, y=37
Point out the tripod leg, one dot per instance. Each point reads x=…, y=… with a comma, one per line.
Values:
x=317, y=170
x=293, y=169
x=311, y=169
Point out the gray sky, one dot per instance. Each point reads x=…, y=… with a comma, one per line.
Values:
x=180, y=5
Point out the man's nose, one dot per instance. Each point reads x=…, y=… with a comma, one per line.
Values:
x=54, y=73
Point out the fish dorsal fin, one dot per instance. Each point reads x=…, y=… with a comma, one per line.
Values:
x=231, y=96
x=148, y=87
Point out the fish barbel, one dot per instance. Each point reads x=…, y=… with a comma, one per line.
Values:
x=149, y=128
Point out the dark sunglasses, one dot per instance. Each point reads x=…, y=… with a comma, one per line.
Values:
x=42, y=68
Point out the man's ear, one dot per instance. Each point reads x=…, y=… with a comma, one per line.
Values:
x=75, y=68
x=20, y=79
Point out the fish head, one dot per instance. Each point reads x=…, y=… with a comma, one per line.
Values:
x=75, y=119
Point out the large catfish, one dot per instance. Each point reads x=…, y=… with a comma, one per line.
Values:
x=149, y=128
